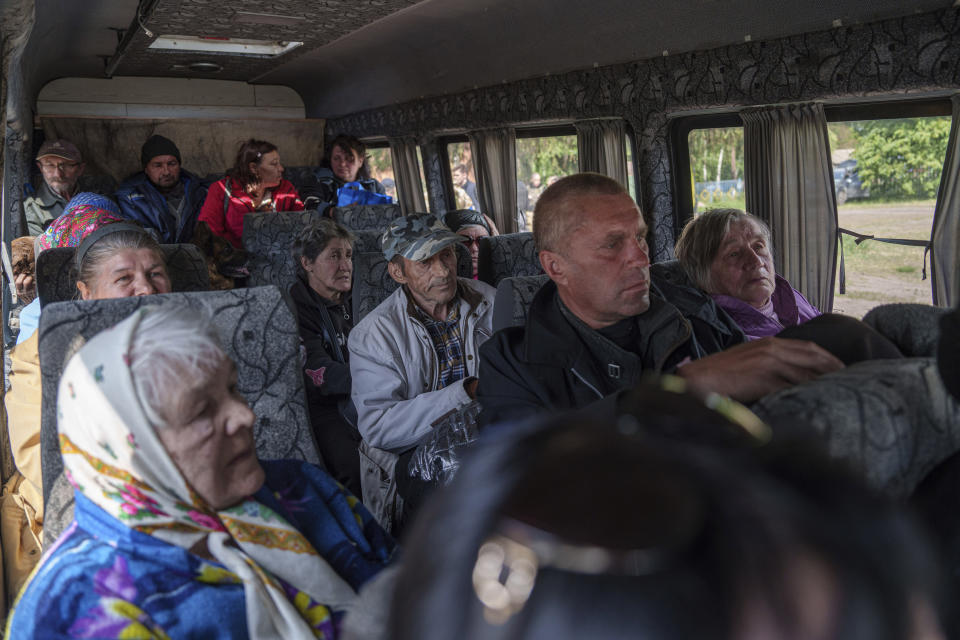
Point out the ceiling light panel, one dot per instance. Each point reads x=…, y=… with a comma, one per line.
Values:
x=231, y=46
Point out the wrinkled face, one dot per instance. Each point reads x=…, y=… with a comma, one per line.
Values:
x=345, y=163
x=209, y=436
x=128, y=273
x=60, y=174
x=431, y=282
x=163, y=171
x=743, y=266
x=602, y=270
x=331, y=273
x=474, y=232
x=269, y=170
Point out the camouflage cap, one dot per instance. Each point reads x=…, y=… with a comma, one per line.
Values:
x=417, y=237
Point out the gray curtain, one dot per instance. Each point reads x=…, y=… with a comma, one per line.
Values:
x=406, y=171
x=945, y=239
x=601, y=148
x=495, y=164
x=789, y=184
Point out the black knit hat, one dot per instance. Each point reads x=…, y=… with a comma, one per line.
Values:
x=158, y=146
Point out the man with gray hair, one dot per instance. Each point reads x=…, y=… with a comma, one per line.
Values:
x=600, y=323
x=414, y=358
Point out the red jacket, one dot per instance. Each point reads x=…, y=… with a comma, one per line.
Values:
x=230, y=226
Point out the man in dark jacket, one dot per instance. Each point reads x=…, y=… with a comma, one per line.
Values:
x=600, y=323
x=163, y=196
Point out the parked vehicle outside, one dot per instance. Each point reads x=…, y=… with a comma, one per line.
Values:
x=846, y=182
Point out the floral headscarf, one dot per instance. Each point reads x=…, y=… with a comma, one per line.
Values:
x=84, y=214
x=114, y=458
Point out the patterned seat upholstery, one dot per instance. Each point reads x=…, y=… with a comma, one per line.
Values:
x=372, y=283
x=300, y=175
x=893, y=419
x=267, y=361
x=914, y=328
x=370, y=216
x=506, y=256
x=366, y=241
x=57, y=272
x=268, y=237
x=513, y=299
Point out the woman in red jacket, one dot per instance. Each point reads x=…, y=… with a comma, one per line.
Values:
x=255, y=183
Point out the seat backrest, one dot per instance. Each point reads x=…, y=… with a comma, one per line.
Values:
x=372, y=283
x=57, y=272
x=512, y=302
x=300, y=175
x=914, y=328
x=892, y=419
x=366, y=241
x=104, y=185
x=369, y=216
x=268, y=237
x=506, y=256
x=255, y=328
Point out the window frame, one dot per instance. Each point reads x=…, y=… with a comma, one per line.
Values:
x=681, y=126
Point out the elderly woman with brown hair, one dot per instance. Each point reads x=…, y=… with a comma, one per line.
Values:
x=255, y=183
x=179, y=530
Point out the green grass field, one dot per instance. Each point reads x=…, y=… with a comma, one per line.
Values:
x=877, y=272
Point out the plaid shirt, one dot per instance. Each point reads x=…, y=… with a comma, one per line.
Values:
x=448, y=344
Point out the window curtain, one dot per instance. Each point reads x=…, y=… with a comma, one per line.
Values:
x=601, y=148
x=406, y=171
x=495, y=165
x=789, y=184
x=945, y=239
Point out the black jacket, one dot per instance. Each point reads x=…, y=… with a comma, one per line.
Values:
x=327, y=367
x=321, y=188
x=548, y=365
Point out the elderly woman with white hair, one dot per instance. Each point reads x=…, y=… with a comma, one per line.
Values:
x=179, y=530
x=728, y=253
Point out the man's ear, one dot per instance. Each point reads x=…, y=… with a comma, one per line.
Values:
x=83, y=167
x=304, y=262
x=554, y=266
x=396, y=272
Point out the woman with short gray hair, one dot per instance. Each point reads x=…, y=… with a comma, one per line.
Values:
x=323, y=252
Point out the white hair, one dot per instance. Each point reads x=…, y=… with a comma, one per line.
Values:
x=173, y=346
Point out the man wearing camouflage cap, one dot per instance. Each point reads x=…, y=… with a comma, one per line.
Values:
x=414, y=358
x=61, y=165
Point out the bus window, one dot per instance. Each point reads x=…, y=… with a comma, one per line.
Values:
x=463, y=175
x=716, y=168
x=380, y=164
x=631, y=174
x=541, y=161
x=886, y=174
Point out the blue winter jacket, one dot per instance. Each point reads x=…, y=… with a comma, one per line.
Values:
x=139, y=200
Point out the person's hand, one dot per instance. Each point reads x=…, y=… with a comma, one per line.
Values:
x=470, y=386
x=749, y=371
x=26, y=287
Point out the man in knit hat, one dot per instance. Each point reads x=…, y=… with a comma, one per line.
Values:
x=61, y=165
x=163, y=196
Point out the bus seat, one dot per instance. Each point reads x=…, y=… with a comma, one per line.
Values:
x=914, y=328
x=514, y=296
x=268, y=238
x=366, y=240
x=372, y=283
x=507, y=255
x=893, y=419
x=267, y=360
x=57, y=273
x=104, y=185
x=300, y=175
x=370, y=216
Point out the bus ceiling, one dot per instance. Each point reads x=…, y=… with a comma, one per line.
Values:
x=347, y=57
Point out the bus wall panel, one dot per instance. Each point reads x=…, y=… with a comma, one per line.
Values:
x=910, y=55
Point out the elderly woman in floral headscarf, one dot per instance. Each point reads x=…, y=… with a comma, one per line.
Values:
x=179, y=531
